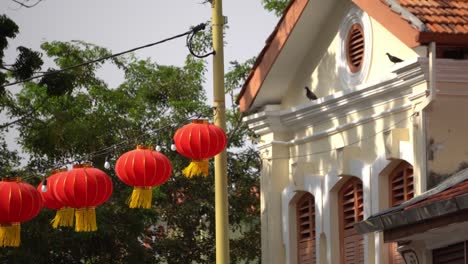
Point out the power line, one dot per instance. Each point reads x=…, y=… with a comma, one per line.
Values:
x=191, y=32
x=194, y=30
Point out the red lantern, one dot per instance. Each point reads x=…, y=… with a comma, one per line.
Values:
x=83, y=188
x=143, y=168
x=19, y=202
x=64, y=215
x=199, y=141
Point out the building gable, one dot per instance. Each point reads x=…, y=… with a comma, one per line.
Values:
x=411, y=22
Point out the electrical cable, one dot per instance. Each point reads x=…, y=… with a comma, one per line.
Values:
x=193, y=30
x=189, y=44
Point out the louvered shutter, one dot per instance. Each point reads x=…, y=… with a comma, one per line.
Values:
x=306, y=229
x=355, y=48
x=352, y=211
x=453, y=254
x=401, y=185
x=401, y=190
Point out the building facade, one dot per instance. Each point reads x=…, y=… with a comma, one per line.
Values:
x=387, y=123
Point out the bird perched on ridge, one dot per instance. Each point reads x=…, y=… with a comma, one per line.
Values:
x=310, y=94
x=393, y=58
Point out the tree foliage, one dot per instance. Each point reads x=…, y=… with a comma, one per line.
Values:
x=275, y=6
x=75, y=116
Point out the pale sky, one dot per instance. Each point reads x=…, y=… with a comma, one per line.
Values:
x=124, y=24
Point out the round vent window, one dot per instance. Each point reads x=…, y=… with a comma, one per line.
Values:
x=355, y=48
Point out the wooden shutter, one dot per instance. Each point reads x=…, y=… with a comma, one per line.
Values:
x=453, y=254
x=351, y=204
x=306, y=229
x=401, y=183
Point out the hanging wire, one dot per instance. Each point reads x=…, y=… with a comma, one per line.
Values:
x=113, y=148
x=189, y=39
x=191, y=31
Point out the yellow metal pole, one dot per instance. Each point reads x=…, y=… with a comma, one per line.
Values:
x=221, y=200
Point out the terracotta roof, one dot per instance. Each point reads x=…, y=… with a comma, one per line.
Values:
x=440, y=16
x=452, y=192
x=447, y=198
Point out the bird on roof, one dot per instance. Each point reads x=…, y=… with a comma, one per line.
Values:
x=310, y=94
x=393, y=58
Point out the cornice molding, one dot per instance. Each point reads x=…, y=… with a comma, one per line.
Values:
x=338, y=129
x=397, y=85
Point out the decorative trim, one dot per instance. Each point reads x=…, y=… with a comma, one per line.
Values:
x=397, y=85
x=347, y=76
x=313, y=185
x=339, y=128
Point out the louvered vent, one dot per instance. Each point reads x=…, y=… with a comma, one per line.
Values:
x=306, y=229
x=352, y=211
x=451, y=254
x=355, y=48
x=352, y=204
x=402, y=184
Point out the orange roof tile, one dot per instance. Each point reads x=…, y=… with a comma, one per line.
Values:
x=441, y=16
x=454, y=191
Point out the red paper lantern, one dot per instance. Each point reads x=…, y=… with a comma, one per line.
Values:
x=83, y=188
x=64, y=215
x=199, y=141
x=143, y=168
x=19, y=202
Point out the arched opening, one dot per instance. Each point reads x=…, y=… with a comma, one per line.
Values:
x=305, y=213
x=351, y=211
x=401, y=189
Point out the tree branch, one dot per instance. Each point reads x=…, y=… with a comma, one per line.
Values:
x=8, y=124
x=25, y=5
x=6, y=68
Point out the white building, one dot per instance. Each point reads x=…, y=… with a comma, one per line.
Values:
x=379, y=134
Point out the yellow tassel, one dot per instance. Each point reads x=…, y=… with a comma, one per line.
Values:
x=63, y=218
x=10, y=235
x=85, y=219
x=195, y=168
x=141, y=197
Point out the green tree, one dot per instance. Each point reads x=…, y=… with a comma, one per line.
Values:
x=275, y=6
x=76, y=117
x=24, y=66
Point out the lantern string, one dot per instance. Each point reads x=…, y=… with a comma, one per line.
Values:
x=124, y=143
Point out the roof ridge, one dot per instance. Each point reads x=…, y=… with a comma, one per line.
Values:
x=407, y=15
